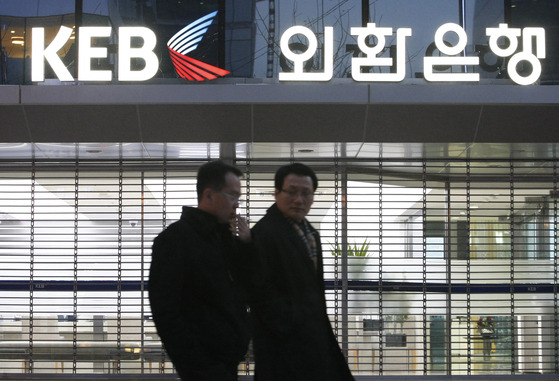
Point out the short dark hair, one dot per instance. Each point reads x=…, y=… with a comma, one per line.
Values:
x=296, y=169
x=212, y=175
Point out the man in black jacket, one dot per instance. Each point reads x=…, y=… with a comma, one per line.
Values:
x=293, y=338
x=197, y=299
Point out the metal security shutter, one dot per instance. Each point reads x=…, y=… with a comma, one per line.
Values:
x=448, y=248
x=419, y=256
x=76, y=244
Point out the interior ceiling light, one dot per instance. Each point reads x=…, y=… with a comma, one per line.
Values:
x=16, y=40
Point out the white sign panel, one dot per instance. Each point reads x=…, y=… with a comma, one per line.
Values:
x=533, y=50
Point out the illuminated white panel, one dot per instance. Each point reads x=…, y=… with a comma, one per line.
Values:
x=126, y=53
x=87, y=52
x=299, y=59
x=40, y=54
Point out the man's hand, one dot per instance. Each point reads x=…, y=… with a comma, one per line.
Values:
x=239, y=226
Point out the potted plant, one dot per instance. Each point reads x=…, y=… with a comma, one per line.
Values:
x=354, y=250
x=356, y=254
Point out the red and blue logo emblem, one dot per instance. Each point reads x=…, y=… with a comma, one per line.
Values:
x=186, y=41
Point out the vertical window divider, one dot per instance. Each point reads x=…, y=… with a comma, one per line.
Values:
x=247, y=216
x=30, y=362
x=448, y=260
x=345, y=275
x=142, y=272
x=119, y=263
x=555, y=269
x=76, y=248
x=468, y=266
x=337, y=252
x=424, y=264
x=512, y=257
x=164, y=223
x=380, y=268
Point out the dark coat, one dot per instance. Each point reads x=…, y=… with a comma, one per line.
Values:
x=292, y=335
x=198, y=305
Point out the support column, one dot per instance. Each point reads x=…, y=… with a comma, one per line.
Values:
x=227, y=153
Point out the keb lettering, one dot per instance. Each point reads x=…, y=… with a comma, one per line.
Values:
x=86, y=52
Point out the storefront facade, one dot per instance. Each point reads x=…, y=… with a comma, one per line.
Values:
x=438, y=183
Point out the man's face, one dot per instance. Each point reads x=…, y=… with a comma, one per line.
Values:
x=226, y=201
x=295, y=197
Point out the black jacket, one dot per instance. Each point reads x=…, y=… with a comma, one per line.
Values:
x=197, y=301
x=293, y=338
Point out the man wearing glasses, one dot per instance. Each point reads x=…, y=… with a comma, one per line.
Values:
x=196, y=292
x=292, y=337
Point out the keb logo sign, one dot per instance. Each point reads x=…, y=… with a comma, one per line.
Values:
x=186, y=41
x=179, y=46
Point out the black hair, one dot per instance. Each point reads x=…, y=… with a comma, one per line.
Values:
x=212, y=175
x=296, y=169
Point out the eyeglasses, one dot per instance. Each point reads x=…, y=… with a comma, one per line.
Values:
x=294, y=194
x=233, y=197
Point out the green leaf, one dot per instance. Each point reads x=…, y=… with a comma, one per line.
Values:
x=353, y=250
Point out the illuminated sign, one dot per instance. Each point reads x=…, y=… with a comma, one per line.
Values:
x=532, y=39
x=182, y=43
x=503, y=41
x=186, y=41
x=126, y=53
